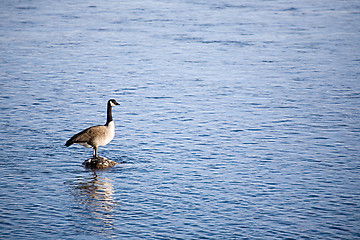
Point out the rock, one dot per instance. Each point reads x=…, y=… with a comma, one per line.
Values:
x=99, y=163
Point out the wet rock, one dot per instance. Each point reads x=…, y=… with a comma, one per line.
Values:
x=99, y=163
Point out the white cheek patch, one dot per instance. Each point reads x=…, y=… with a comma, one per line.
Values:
x=112, y=104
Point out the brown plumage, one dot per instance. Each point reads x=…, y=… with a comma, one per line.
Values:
x=91, y=136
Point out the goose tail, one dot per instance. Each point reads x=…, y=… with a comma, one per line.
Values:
x=77, y=138
x=69, y=142
x=72, y=140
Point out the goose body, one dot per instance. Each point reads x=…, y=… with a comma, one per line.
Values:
x=96, y=136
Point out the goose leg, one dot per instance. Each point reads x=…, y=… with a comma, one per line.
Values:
x=95, y=152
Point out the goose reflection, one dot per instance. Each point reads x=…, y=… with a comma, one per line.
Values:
x=95, y=195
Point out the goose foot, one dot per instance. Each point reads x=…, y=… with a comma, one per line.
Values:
x=99, y=163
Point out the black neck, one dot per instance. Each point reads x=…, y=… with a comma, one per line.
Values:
x=109, y=115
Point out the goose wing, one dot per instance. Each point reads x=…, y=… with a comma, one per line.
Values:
x=87, y=135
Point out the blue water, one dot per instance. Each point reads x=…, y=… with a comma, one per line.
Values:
x=238, y=119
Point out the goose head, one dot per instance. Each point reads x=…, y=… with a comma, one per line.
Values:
x=113, y=102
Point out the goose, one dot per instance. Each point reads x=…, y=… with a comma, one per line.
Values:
x=96, y=136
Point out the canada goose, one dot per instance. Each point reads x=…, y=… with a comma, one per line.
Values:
x=96, y=136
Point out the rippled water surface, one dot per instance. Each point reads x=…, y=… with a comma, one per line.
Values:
x=238, y=119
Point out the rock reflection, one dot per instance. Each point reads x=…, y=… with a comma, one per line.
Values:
x=95, y=195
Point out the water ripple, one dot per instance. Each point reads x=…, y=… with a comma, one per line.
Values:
x=237, y=121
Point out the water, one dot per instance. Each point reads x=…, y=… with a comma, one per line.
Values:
x=238, y=120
